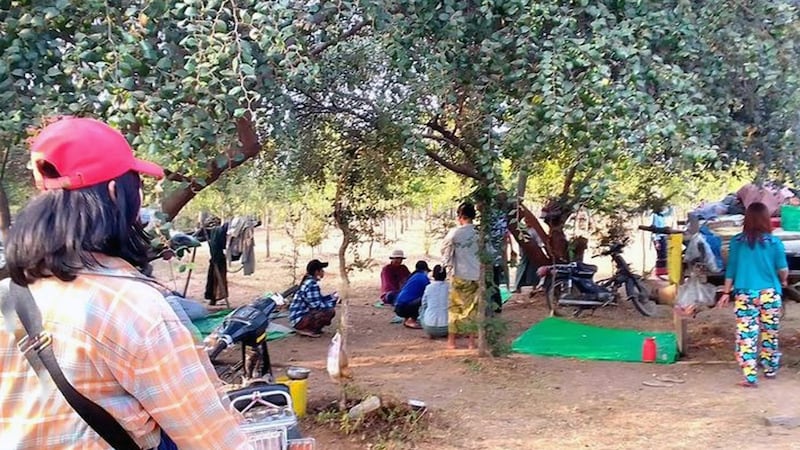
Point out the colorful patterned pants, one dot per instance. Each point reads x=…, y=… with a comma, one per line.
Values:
x=758, y=314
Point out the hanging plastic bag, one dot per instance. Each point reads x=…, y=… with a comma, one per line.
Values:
x=337, y=359
x=698, y=251
x=695, y=292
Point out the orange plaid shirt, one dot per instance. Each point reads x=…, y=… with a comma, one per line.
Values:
x=120, y=345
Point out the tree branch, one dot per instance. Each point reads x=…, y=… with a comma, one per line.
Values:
x=568, y=181
x=457, y=168
x=451, y=138
x=236, y=156
x=322, y=46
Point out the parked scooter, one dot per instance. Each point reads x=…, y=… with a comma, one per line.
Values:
x=247, y=326
x=572, y=285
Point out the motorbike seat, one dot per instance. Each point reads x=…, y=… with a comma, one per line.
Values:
x=585, y=270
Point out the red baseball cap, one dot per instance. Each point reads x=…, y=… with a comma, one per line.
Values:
x=84, y=152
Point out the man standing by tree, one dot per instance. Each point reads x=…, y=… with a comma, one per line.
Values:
x=393, y=277
x=460, y=256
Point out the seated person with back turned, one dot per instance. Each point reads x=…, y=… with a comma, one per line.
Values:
x=393, y=277
x=435, y=301
x=410, y=297
x=310, y=310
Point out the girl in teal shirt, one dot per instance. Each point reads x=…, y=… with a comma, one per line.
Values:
x=755, y=274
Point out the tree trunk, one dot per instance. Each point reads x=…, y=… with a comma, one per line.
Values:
x=482, y=344
x=534, y=252
x=5, y=214
x=522, y=183
x=346, y=236
x=268, y=225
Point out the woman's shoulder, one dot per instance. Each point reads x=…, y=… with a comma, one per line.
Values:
x=774, y=240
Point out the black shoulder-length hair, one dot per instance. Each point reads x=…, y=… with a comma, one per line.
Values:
x=59, y=231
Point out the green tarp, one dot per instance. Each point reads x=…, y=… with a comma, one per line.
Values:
x=559, y=337
x=505, y=294
x=209, y=323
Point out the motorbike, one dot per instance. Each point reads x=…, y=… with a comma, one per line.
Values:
x=247, y=326
x=572, y=285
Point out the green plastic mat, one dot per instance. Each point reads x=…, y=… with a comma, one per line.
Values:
x=558, y=337
x=209, y=323
x=505, y=294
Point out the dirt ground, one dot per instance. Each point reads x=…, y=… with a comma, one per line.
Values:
x=524, y=402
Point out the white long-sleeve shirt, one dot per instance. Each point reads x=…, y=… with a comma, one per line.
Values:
x=460, y=252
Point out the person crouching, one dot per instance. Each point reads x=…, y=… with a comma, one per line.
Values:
x=409, y=299
x=310, y=310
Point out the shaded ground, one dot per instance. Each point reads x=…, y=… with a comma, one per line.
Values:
x=522, y=402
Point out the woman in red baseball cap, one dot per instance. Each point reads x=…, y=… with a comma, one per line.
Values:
x=76, y=248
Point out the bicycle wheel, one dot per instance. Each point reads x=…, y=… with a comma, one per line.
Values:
x=639, y=295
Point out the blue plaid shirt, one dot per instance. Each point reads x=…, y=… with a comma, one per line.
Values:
x=308, y=298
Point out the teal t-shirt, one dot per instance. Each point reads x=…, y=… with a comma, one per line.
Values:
x=756, y=268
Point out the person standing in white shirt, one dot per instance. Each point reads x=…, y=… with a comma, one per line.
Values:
x=460, y=255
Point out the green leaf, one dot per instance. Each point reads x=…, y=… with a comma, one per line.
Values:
x=221, y=161
x=247, y=69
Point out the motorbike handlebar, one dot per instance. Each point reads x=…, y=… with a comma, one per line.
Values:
x=218, y=348
x=659, y=230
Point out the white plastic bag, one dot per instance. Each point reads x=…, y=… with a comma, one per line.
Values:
x=696, y=292
x=337, y=359
x=694, y=254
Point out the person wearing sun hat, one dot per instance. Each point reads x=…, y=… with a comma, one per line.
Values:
x=76, y=247
x=393, y=276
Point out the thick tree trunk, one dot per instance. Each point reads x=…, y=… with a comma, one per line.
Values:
x=534, y=252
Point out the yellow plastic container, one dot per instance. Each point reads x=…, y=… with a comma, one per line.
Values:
x=298, y=389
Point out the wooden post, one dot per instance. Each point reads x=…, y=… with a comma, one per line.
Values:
x=267, y=223
x=681, y=332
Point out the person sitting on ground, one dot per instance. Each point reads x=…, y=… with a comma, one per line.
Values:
x=435, y=300
x=393, y=276
x=410, y=297
x=310, y=310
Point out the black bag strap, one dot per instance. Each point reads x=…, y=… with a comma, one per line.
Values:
x=37, y=345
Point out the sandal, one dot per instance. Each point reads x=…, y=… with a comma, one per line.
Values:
x=657, y=383
x=310, y=334
x=411, y=323
x=747, y=384
x=670, y=379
